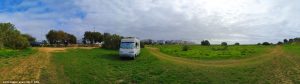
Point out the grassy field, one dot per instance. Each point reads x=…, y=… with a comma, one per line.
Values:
x=214, y=52
x=293, y=48
x=273, y=65
x=104, y=66
x=5, y=53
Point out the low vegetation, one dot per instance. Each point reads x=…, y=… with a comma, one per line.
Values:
x=6, y=53
x=264, y=63
x=11, y=38
x=104, y=66
x=215, y=51
x=60, y=37
x=293, y=48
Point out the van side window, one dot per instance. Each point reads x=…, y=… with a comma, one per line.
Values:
x=136, y=45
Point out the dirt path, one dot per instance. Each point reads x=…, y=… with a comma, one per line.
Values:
x=28, y=68
x=281, y=62
x=217, y=63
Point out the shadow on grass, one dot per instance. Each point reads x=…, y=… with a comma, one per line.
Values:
x=116, y=57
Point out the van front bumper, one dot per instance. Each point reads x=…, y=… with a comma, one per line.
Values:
x=127, y=55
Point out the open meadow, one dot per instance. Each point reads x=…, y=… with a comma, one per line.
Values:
x=261, y=64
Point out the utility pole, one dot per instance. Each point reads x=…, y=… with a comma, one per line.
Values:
x=94, y=29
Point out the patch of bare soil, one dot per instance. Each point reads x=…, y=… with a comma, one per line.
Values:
x=214, y=63
x=28, y=68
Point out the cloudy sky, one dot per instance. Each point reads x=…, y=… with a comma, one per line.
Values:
x=244, y=21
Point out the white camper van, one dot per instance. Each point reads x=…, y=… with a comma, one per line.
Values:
x=130, y=47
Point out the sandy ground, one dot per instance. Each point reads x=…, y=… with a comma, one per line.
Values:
x=29, y=67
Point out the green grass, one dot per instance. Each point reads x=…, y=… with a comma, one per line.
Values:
x=9, y=56
x=293, y=48
x=214, y=52
x=104, y=66
x=6, y=53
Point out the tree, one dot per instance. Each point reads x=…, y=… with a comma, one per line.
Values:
x=185, y=48
x=88, y=37
x=83, y=40
x=291, y=40
x=224, y=44
x=285, y=41
x=111, y=41
x=258, y=43
x=71, y=39
x=296, y=40
x=97, y=37
x=45, y=42
x=10, y=37
x=60, y=37
x=205, y=43
x=29, y=38
x=266, y=43
x=93, y=37
x=51, y=37
x=279, y=43
x=236, y=43
x=142, y=44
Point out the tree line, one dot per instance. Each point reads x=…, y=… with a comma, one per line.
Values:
x=11, y=38
x=109, y=41
x=60, y=37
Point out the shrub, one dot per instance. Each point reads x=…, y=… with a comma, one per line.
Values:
x=224, y=44
x=205, y=43
x=285, y=41
x=279, y=43
x=60, y=37
x=258, y=43
x=112, y=41
x=185, y=48
x=10, y=37
x=142, y=45
x=266, y=43
x=236, y=43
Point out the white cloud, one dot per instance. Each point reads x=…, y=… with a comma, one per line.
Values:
x=246, y=21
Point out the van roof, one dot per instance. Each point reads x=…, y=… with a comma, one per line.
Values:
x=131, y=39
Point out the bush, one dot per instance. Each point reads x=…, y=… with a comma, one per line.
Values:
x=266, y=43
x=205, y=43
x=1, y=44
x=142, y=45
x=224, y=44
x=279, y=43
x=59, y=37
x=111, y=41
x=185, y=48
x=236, y=43
x=10, y=37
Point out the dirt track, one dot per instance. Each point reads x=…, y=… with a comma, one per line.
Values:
x=283, y=64
x=219, y=63
x=28, y=68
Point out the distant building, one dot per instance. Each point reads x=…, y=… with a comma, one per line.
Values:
x=161, y=42
x=148, y=41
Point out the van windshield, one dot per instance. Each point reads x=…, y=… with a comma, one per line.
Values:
x=127, y=45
